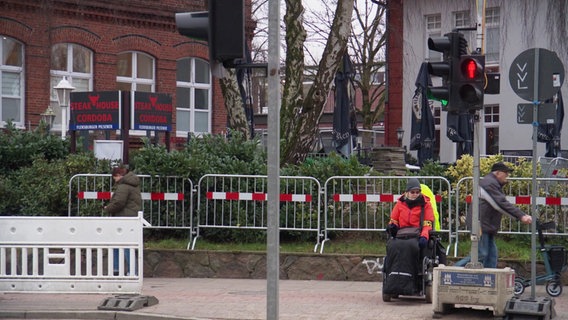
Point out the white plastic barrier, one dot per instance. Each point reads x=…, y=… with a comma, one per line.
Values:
x=71, y=254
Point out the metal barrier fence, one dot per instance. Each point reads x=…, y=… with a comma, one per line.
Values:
x=551, y=167
x=167, y=201
x=365, y=203
x=239, y=202
x=62, y=254
x=552, y=205
x=349, y=203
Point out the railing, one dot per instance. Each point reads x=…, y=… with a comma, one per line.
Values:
x=551, y=201
x=365, y=203
x=348, y=203
x=239, y=202
x=167, y=201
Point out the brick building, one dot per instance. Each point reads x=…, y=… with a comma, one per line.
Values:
x=106, y=45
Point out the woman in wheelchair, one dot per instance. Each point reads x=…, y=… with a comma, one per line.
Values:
x=411, y=221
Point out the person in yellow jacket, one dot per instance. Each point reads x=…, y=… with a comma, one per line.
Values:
x=426, y=191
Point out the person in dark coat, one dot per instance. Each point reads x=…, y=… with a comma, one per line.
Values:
x=492, y=205
x=126, y=201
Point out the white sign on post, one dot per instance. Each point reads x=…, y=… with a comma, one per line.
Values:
x=108, y=149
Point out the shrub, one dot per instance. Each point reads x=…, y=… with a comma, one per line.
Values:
x=205, y=155
x=19, y=148
x=39, y=189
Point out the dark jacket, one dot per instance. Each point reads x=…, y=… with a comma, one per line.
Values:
x=126, y=200
x=492, y=204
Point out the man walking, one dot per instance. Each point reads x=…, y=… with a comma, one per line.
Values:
x=492, y=204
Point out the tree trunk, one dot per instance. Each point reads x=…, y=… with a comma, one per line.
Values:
x=237, y=119
x=300, y=115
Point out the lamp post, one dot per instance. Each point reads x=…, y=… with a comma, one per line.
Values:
x=399, y=135
x=63, y=89
x=48, y=116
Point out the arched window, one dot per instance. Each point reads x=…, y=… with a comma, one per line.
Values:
x=135, y=72
x=74, y=62
x=193, y=96
x=11, y=75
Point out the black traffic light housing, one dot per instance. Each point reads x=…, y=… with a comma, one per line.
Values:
x=468, y=84
x=222, y=26
x=452, y=45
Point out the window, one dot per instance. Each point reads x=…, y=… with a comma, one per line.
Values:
x=492, y=40
x=11, y=74
x=193, y=96
x=491, y=119
x=135, y=72
x=433, y=29
x=461, y=19
x=74, y=62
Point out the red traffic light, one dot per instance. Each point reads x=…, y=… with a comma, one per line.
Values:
x=469, y=87
x=471, y=69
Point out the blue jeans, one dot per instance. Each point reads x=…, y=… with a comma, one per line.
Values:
x=126, y=258
x=487, y=252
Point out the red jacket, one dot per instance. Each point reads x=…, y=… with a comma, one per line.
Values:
x=403, y=216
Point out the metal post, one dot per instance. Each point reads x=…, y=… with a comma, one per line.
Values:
x=475, y=234
x=273, y=219
x=534, y=186
x=474, y=263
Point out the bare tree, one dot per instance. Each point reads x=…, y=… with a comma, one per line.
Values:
x=367, y=50
x=237, y=101
x=367, y=47
x=300, y=113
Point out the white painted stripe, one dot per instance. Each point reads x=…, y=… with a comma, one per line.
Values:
x=90, y=195
x=373, y=198
x=245, y=196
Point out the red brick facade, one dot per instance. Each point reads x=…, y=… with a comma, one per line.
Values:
x=393, y=109
x=107, y=27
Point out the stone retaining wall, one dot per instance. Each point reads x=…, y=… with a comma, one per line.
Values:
x=295, y=266
x=252, y=265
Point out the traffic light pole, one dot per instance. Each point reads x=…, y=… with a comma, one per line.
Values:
x=475, y=234
x=475, y=229
x=273, y=150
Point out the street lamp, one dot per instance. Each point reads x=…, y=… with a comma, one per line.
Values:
x=63, y=89
x=399, y=135
x=48, y=116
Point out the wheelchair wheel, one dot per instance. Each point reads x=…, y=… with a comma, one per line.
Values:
x=554, y=288
x=519, y=287
x=386, y=297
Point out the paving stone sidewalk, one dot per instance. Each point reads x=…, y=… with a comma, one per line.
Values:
x=239, y=299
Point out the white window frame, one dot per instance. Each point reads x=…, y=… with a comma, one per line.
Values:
x=462, y=19
x=492, y=24
x=433, y=26
x=192, y=85
x=70, y=74
x=490, y=124
x=134, y=81
x=14, y=69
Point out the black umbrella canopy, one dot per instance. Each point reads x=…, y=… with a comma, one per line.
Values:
x=460, y=130
x=422, y=130
x=342, y=112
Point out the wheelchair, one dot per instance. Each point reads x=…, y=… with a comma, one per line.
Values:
x=410, y=272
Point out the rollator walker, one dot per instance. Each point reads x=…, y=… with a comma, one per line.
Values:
x=554, y=258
